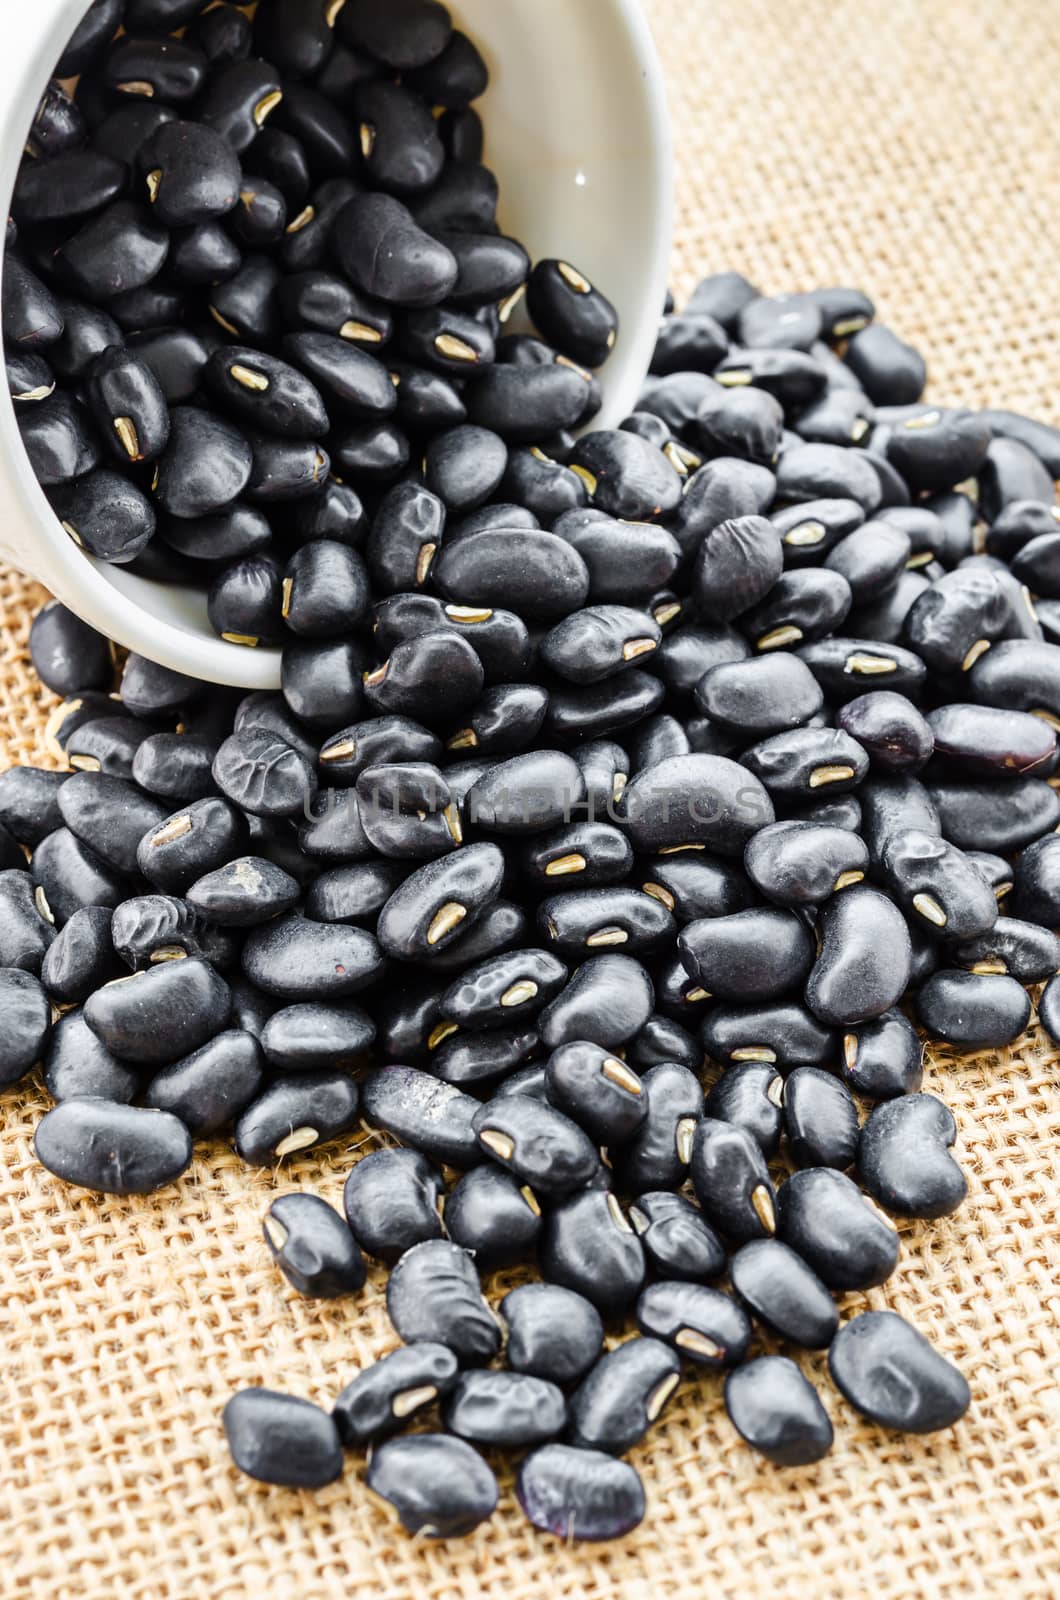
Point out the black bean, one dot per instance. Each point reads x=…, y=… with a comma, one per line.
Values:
x=295, y=1113
x=110, y=815
x=891, y=1373
x=903, y=1158
x=77, y=1065
x=704, y=1325
x=677, y=1240
x=27, y=1022
x=579, y=1494
x=889, y=727
x=296, y=959
x=820, y=1119
x=156, y=928
x=190, y=843
x=433, y=1117
x=392, y=1200
x=784, y=1293
x=310, y=1036
x=883, y=1058
x=381, y=1396
x=731, y=1180
x=506, y=1410
x=25, y=933
x=278, y=1438
x=32, y=317
x=439, y=1486
x=821, y=472
x=802, y=863
x=608, y=999
x=59, y=439
x=696, y=885
x=777, y=1411
x=1011, y=471
x=209, y=1088
x=541, y=1146
x=891, y=372
x=434, y=1294
x=756, y=953
x=1020, y=949
x=973, y=1010
x=82, y=957
x=112, y=1148
x=67, y=186
x=588, y=1245
x=626, y=1391
x=313, y=1247
x=387, y=256
x=68, y=875
x=694, y=802
x=494, y=1218
x=865, y=959
x=105, y=515
x=997, y=817
x=158, y=1016
x=552, y=1332
x=847, y=1241
x=749, y=1095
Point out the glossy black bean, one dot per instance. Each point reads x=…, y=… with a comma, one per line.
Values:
x=883, y=1058
x=110, y=816
x=432, y=678
x=777, y=1411
x=744, y=423
x=897, y=737
x=820, y=1119
x=552, y=1332
x=1011, y=471
x=91, y=37
x=803, y=605
x=391, y=1199
x=754, y=953
x=463, y=466
x=32, y=317
x=381, y=1396
x=59, y=439
x=571, y=312
x=996, y=817
x=542, y=1148
x=493, y=1217
x=29, y=377
x=506, y=718
x=608, y=999
x=504, y=989
x=105, y=514
x=659, y=1151
x=626, y=1391
x=66, y=186
x=244, y=892
x=296, y=1113
x=827, y=472
x=704, y=1325
x=591, y=919
x=694, y=802
x=107, y=744
x=29, y=797
x=209, y=1088
x=889, y=1372
x=386, y=255
x=803, y=863
x=25, y=932
x=776, y=1284
x=539, y=575
x=984, y=739
x=589, y=1246
x=626, y=477
x=934, y=882
x=936, y=449
x=973, y=1010
x=295, y=959
x=1020, y=949
x=280, y=1439
x=80, y=960
x=112, y=1148
x=731, y=1180
x=439, y=1486
x=120, y=249
x=322, y=680
x=223, y=34
x=582, y=1495
x=749, y=1096
x=190, y=843
x=599, y=1091
x=590, y=711
x=760, y=696
x=433, y=1293
x=176, y=356
x=205, y=465
x=245, y=305
x=846, y=1240
x=77, y=1064
x=844, y=666
x=865, y=959
x=68, y=875
x=903, y=1158
x=598, y=641
x=149, y=928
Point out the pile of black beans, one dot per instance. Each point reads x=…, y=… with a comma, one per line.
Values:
x=255, y=310
x=636, y=794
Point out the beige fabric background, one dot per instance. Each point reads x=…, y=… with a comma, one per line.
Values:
x=910, y=147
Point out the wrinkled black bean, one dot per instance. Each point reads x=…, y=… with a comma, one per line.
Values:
x=381, y=1396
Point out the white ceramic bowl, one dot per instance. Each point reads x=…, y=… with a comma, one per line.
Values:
x=577, y=131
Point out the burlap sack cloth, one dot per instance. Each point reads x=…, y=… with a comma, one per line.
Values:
x=910, y=147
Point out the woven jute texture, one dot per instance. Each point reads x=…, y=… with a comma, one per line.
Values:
x=908, y=146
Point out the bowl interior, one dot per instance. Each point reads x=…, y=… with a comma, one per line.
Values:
x=577, y=133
